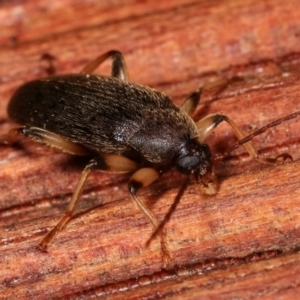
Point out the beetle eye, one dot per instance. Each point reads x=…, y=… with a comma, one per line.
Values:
x=187, y=163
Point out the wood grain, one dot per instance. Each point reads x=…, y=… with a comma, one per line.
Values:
x=244, y=241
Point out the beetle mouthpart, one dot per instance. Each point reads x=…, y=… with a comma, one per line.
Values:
x=208, y=184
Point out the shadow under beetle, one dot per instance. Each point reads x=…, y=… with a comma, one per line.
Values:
x=127, y=127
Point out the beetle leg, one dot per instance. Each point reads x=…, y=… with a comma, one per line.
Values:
x=207, y=125
x=106, y=162
x=45, y=137
x=141, y=178
x=191, y=102
x=118, y=69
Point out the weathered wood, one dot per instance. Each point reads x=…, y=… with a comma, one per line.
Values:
x=276, y=278
x=175, y=48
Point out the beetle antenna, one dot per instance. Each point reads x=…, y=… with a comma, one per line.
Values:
x=169, y=214
x=258, y=132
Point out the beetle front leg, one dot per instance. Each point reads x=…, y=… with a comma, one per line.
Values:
x=207, y=125
x=141, y=178
x=108, y=163
x=118, y=69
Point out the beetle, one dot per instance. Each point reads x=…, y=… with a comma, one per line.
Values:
x=126, y=127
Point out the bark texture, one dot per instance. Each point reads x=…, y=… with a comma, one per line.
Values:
x=242, y=243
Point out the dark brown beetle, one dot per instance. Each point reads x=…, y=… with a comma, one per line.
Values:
x=127, y=127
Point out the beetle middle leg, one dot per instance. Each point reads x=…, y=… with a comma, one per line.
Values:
x=141, y=178
x=108, y=163
x=118, y=69
x=191, y=102
x=207, y=125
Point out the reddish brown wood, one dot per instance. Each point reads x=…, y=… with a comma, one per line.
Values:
x=174, y=46
x=276, y=278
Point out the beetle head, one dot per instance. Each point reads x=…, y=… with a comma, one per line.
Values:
x=196, y=161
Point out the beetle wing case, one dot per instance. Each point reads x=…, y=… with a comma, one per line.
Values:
x=105, y=114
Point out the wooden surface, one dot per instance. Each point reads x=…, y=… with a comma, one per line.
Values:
x=243, y=242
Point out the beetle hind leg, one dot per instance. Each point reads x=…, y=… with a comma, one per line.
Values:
x=45, y=137
x=118, y=69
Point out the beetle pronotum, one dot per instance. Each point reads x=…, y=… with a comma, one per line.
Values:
x=124, y=126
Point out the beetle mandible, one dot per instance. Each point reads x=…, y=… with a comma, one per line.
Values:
x=126, y=127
